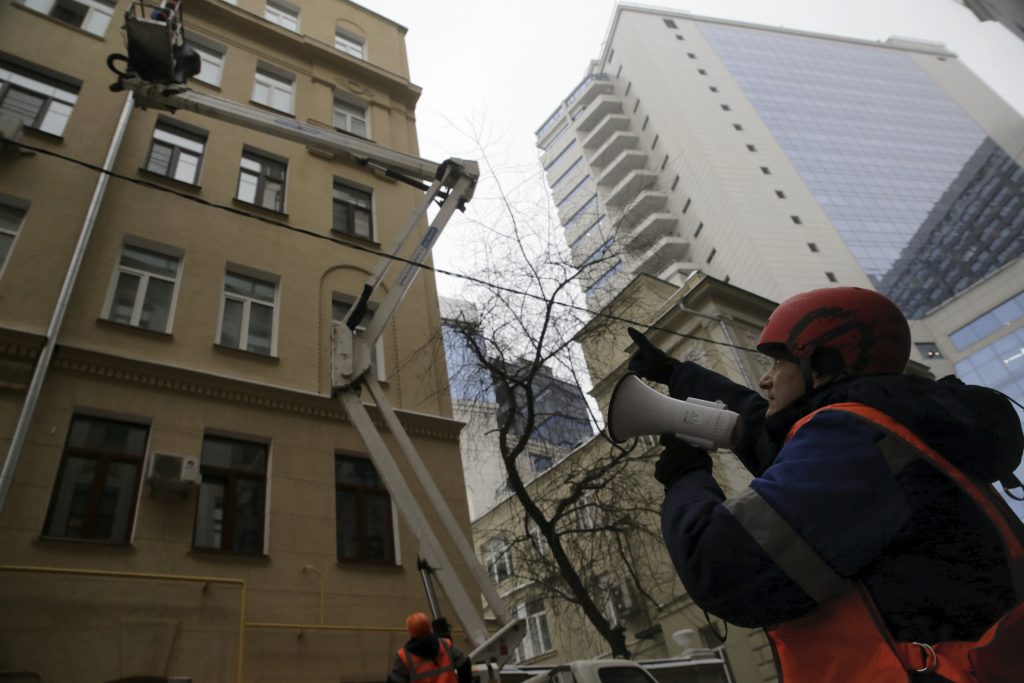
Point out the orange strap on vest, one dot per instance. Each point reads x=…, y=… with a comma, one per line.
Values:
x=845, y=639
x=439, y=670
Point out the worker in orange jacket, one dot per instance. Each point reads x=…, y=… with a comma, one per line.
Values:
x=870, y=544
x=427, y=658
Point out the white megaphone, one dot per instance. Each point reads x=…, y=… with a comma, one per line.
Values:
x=637, y=409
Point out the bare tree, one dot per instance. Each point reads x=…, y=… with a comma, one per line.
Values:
x=586, y=532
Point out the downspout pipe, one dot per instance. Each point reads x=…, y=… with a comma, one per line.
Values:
x=35, y=387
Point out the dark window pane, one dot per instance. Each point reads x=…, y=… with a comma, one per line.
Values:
x=160, y=159
x=348, y=525
x=248, y=517
x=378, y=527
x=111, y=435
x=117, y=498
x=23, y=105
x=74, y=492
x=124, y=297
x=157, y=306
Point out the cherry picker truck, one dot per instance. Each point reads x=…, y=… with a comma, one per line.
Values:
x=155, y=72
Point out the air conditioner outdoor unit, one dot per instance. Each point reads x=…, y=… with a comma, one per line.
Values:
x=175, y=472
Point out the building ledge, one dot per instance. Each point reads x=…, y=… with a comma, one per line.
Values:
x=628, y=161
x=613, y=123
x=594, y=113
x=632, y=186
x=616, y=144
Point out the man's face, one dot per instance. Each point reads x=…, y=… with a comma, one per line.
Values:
x=782, y=384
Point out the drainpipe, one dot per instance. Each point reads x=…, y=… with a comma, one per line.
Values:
x=28, y=409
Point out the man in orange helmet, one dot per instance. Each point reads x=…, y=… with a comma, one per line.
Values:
x=869, y=544
x=426, y=658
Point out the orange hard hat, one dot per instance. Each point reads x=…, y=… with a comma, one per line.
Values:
x=418, y=624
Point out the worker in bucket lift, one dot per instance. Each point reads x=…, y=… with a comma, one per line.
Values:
x=870, y=544
x=428, y=658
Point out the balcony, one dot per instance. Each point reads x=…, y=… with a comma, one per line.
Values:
x=625, y=163
x=611, y=124
x=665, y=251
x=616, y=145
x=652, y=227
x=585, y=92
x=631, y=186
x=644, y=204
x=595, y=113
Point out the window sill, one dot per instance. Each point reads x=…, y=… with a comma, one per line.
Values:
x=95, y=542
x=376, y=564
x=154, y=334
x=260, y=207
x=65, y=24
x=227, y=554
x=220, y=348
x=181, y=184
x=351, y=236
x=267, y=107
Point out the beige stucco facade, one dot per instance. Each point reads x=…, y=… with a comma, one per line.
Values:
x=93, y=610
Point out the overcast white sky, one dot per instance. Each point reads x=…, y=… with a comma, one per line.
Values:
x=510, y=62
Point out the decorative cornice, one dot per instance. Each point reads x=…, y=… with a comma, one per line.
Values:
x=233, y=390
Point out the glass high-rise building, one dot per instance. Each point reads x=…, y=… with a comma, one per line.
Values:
x=781, y=160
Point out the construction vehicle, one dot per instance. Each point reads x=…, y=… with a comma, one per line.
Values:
x=155, y=72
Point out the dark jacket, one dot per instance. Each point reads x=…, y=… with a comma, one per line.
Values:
x=427, y=648
x=931, y=560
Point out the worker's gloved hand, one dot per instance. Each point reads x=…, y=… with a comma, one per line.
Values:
x=679, y=459
x=648, y=360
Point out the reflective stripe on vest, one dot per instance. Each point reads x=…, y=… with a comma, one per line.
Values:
x=438, y=670
x=845, y=640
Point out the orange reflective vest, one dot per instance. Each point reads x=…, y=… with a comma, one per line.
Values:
x=441, y=669
x=845, y=638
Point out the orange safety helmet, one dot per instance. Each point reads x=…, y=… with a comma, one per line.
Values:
x=867, y=329
x=418, y=624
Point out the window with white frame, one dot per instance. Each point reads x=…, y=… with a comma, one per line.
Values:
x=352, y=211
x=351, y=117
x=40, y=101
x=340, y=306
x=249, y=315
x=282, y=14
x=261, y=181
x=538, y=638
x=11, y=217
x=273, y=89
x=211, y=57
x=498, y=559
x=92, y=16
x=349, y=44
x=176, y=152
x=144, y=289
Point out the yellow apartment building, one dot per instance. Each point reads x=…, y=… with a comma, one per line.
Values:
x=188, y=501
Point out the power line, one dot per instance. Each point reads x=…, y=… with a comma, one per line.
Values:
x=356, y=247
